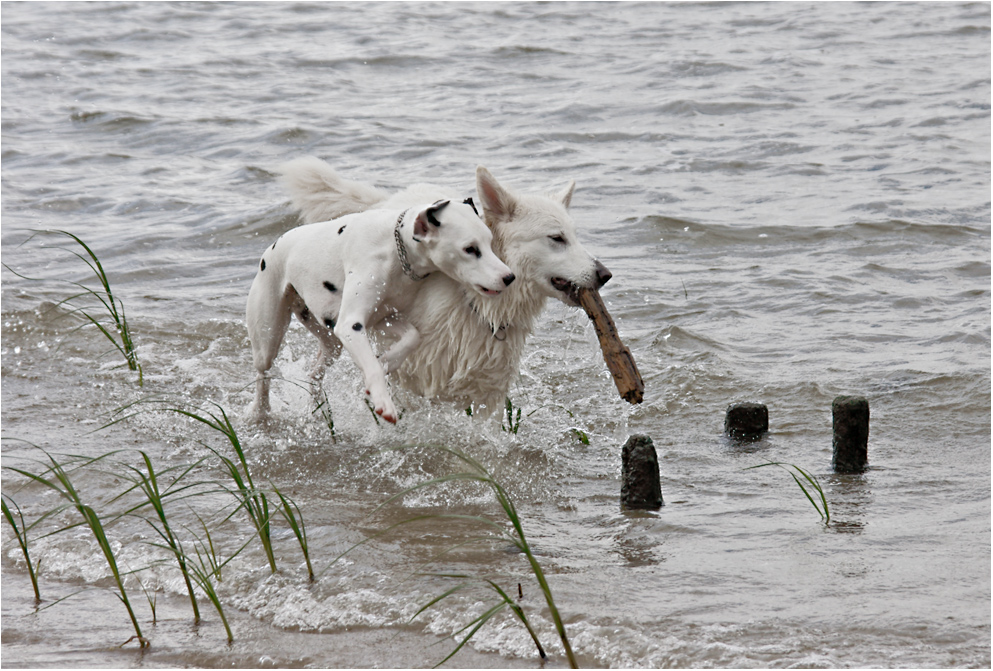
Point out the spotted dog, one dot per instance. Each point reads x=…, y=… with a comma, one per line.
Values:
x=364, y=271
x=471, y=349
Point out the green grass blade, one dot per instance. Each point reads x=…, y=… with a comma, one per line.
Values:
x=479, y=473
x=66, y=489
x=820, y=490
x=441, y=597
x=825, y=513
x=519, y=612
x=22, y=540
x=478, y=622
x=202, y=578
x=295, y=520
x=105, y=298
x=150, y=487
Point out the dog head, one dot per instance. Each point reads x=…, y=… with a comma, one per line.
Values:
x=537, y=238
x=459, y=244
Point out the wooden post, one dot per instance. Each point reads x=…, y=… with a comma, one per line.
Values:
x=615, y=354
x=641, y=488
x=850, y=417
x=746, y=421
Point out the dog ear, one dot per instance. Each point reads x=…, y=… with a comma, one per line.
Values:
x=565, y=195
x=421, y=228
x=428, y=216
x=432, y=211
x=497, y=202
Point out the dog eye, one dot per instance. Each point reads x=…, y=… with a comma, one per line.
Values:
x=557, y=238
x=473, y=250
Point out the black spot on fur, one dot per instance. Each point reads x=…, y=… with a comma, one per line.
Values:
x=357, y=326
x=329, y=323
x=304, y=314
x=330, y=287
x=467, y=201
x=342, y=229
x=262, y=265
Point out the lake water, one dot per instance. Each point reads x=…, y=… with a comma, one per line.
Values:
x=794, y=200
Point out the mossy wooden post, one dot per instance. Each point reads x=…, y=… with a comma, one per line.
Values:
x=641, y=488
x=850, y=416
x=746, y=421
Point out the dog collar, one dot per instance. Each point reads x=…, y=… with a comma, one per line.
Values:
x=499, y=332
x=402, y=250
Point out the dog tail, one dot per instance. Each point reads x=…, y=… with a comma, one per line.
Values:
x=321, y=194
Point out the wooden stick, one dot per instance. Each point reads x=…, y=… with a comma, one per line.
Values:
x=615, y=354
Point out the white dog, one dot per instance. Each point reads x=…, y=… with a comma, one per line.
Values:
x=471, y=349
x=342, y=278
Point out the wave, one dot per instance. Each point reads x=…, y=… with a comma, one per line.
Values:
x=694, y=107
x=703, y=235
x=110, y=120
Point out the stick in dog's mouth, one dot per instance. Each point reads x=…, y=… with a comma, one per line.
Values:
x=615, y=354
x=568, y=288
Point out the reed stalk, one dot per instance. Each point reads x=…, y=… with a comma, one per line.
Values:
x=152, y=598
x=62, y=484
x=513, y=425
x=21, y=532
x=204, y=569
x=256, y=504
x=324, y=407
x=505, y=601
x=117, y=330
x=209, y=550
x=822, y=508
x=253, y=500
x=291, y=513
x=148, y=482
x=478, y=473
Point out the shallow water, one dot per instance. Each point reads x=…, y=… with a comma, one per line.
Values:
x=794, y=200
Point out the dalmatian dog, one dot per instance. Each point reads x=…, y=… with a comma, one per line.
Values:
x=364, y=271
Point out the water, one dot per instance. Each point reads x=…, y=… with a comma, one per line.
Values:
x=793, y=200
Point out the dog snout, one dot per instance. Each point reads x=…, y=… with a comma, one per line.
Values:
x=507, y=279
x=602, y=274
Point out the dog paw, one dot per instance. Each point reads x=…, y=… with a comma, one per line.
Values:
x=256, y=414
x=383, y=406
x=388, y=416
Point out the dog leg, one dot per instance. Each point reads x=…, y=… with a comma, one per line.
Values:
x=407, y=337
x=319, y=321
x=259, y=409
x=268, y=316
x=321, y=362
x=329, y=350
x=351, y=330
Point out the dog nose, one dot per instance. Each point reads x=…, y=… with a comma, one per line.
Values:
x=602, y=274
x=507, y=279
